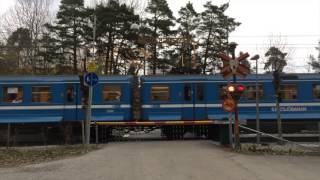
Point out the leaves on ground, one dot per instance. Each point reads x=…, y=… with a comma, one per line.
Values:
x=275, y=149
x=30, y=155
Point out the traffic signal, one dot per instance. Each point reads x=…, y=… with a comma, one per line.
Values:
x=235, y=90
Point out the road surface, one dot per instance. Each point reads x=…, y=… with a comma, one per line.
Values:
x=169, y=160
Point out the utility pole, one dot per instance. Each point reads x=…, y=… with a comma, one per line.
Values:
x=257, y=105
x=256, y=57
x=88, y=116
x=88, y=112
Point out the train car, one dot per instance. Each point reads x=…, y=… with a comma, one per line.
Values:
x=299, y=107
x=112, y=99
x=32, y=106
x=36, y=103
x=39, y=99
x=180, y=98
x=173, y=98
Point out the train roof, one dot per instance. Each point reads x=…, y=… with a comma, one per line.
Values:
x=39, y=78
x=218, y=77
x=115, y=77
x=56, y=78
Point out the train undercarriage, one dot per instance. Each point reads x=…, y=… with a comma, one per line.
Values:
x=104, y=132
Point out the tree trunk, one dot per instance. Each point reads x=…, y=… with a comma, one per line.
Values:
x=108, y=65
x=115, y=67
x=206, y=52
x=155, y=59
x=75, y=70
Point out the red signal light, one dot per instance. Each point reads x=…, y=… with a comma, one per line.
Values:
x=235, y=90
x=241, y=88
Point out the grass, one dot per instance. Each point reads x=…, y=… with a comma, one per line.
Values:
x=274, y=149
x=31, y=155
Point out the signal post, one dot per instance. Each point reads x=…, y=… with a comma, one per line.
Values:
x=90, y=79
x=233, y=67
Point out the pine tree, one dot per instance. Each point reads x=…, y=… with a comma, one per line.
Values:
x=159, y=21
x=314, y=62
x=51, y=54
x=189, y=22
x=276, y=60
x=71, y=20
x=18, y=50
x=113, y=33
x=214, y=30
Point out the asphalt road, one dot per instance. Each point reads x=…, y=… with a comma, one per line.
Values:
x=169, y=160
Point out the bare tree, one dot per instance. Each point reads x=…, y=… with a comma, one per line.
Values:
x=280, y=43
x=29, y=14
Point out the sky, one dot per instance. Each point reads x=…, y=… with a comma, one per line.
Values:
x=292, y=24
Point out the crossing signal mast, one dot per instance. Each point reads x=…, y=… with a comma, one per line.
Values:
x=233, y=67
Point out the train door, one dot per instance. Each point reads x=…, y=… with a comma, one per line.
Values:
x=70, y=100
x=199, y=102
x=194, y=107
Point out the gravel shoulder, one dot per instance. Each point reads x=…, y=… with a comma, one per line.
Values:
x=21, y=156
x=178, y=160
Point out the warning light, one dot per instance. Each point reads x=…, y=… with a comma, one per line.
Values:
x=241, y=88
x=231, y=88
x=235, y=90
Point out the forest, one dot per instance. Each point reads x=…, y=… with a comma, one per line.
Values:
x=119, y=37
x=115, y=35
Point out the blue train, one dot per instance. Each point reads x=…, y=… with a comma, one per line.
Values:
x=162, y=99
x=200, y=97
x=46, y=99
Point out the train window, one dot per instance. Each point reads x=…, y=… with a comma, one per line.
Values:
x=111, y=93
x=70, y=94
x=200, y=93
x=288, y=92
x=41, y=94
x=316, y=91
x=160, y=93
x=250, y=93
x=187, y=92
x=12, y=94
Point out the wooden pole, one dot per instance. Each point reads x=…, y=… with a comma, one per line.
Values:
x=230, y=129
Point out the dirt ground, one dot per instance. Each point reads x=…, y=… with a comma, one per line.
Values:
x=169, y=160
x=19, y=156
